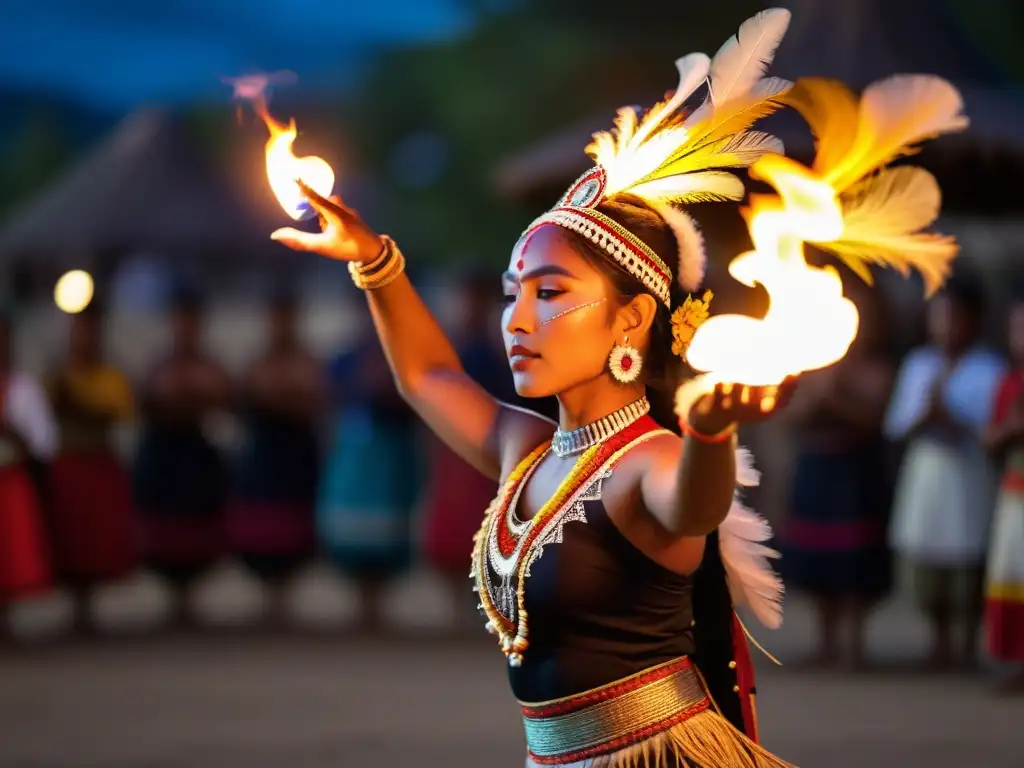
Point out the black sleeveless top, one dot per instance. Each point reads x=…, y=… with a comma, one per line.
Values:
x=599, y=610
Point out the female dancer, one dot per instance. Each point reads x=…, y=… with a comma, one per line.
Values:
x=269, y=521
x=585, y=564
x=940, y=408
x=367, y=528
x=834, y=546
x=28, y=438
x=1004, y=582
x=179, y=478
x=94, y=526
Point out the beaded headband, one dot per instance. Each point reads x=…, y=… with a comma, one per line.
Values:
x=577, y=211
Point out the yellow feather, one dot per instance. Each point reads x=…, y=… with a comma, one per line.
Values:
x=739, y=151
x=895, y=114
x=830, y=110
x=625, y=123
x=735, y=117
x=882, y=219
x=930, y=254
x=894, y=201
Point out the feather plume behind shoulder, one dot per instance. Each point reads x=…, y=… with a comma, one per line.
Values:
x=742, y=535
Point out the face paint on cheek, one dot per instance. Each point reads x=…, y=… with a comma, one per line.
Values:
x=570, y=310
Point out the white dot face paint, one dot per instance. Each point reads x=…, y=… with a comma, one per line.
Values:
x=570, y=310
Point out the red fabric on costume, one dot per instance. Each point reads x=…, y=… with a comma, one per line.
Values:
x=1004, y=621
x=745, y=678
x=1011, y=388
x=95, y=534
x=456, y=503
x=24, y=551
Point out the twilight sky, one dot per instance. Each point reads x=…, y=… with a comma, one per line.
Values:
x=115, y=54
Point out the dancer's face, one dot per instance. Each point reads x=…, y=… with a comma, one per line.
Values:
x=951, y=325
x=562, y=316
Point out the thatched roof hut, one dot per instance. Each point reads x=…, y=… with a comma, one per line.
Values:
x=144, y=187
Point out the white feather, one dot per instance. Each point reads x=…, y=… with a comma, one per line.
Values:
x=638, y=154
x=689, y=240
x=745, y=149
x=742, y=535
x=761, y=90
x=747, y=475
x=743, y=59
x=705, y=186
x=693, y=70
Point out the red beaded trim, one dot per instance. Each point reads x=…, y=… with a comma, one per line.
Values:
x=638, y=252
x=597, y=695
x=605, y=452
x=632, y=246
x=506, y=541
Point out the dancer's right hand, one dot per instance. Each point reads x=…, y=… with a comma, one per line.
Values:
x=343, y=233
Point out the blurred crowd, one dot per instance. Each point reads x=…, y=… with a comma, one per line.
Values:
x=907, y=472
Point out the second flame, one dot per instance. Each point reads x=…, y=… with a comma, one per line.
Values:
x=809, y=323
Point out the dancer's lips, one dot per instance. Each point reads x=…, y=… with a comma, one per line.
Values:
x=519, y=357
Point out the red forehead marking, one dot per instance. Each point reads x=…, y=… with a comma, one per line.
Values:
x=522, y=250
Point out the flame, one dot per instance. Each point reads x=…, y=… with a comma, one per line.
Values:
x=809, y=324
x=864, y=212
x=284, y=168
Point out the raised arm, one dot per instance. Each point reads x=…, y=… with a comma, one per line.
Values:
x=488, y=434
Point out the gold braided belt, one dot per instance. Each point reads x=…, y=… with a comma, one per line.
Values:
x=614, y=716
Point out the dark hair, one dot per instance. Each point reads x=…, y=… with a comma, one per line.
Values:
x=663, y=371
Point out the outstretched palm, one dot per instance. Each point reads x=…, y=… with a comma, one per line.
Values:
x=343, y=234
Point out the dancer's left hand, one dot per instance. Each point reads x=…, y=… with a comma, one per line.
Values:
x=733, y=404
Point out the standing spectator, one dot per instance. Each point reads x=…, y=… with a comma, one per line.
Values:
x=835, y=540
x=94, y=529
x=372, y=477
x=940, y=408
x=179, y=477
x=1004, y=607
x=270, y=519
x=27, y=434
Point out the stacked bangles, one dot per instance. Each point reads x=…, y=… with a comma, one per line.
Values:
x=382, y=271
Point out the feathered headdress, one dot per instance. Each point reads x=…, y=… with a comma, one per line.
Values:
x=884, y=211
x=671, y=157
